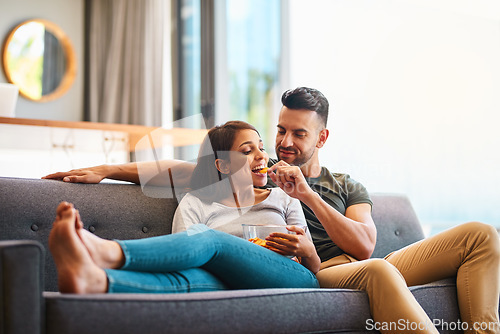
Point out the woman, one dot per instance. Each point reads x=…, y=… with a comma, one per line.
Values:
x=225, y=194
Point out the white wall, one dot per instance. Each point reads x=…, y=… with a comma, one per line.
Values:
x=414, y=93
x=69, y=15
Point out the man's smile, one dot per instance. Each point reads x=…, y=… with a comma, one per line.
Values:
x=287, y=151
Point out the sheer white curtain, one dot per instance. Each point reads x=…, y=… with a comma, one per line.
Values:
x=125, y=64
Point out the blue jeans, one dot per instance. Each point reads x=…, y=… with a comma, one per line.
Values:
x=202, y=259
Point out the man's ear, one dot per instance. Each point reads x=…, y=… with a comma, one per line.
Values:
x=222, y=166
x=323, y=136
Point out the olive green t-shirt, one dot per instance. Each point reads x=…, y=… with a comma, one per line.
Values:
x=340, y=192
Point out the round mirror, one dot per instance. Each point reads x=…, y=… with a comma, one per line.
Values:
x=39, y=59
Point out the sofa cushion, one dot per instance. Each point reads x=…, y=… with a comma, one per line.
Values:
x=238, y=311
x=440, y=302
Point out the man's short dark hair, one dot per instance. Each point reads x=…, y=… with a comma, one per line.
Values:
x=307, y=98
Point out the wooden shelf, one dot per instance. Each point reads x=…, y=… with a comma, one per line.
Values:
x=137, y=134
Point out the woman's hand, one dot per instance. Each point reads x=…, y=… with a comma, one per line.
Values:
x=297, y=244
x=83, y=175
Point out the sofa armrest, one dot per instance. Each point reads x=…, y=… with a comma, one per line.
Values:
x=21, y=287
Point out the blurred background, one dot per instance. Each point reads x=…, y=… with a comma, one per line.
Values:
x=413, y=84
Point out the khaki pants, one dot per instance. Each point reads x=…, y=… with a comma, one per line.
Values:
x=470, y=251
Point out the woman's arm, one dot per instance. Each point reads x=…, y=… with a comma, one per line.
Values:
x=124, y=172
x=157, y=173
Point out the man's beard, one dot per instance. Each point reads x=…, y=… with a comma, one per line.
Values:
x=300, y=159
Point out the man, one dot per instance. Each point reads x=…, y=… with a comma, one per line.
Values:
x=338, y=211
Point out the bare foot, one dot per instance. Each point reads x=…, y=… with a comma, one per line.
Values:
x=77, y=273
x=105, y=253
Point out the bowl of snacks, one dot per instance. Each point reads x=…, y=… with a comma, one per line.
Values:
x=257, y=233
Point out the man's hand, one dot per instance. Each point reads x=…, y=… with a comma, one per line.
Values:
x=83, y=175
x=354, y=233
x=291, y=180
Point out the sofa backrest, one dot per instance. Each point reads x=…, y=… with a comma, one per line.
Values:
x=110, y=210
x=122, y=211
x=396, y=221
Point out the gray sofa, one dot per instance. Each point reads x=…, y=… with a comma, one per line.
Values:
x=29, y=302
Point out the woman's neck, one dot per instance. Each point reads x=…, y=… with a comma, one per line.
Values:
x=246, y=197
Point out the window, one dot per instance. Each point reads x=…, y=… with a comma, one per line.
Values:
x=229, y=63
x=252, y=73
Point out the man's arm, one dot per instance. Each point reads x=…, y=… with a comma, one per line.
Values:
x=153, y=172
x=354, y=233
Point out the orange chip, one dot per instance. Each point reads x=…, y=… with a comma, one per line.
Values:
x=260, y=242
